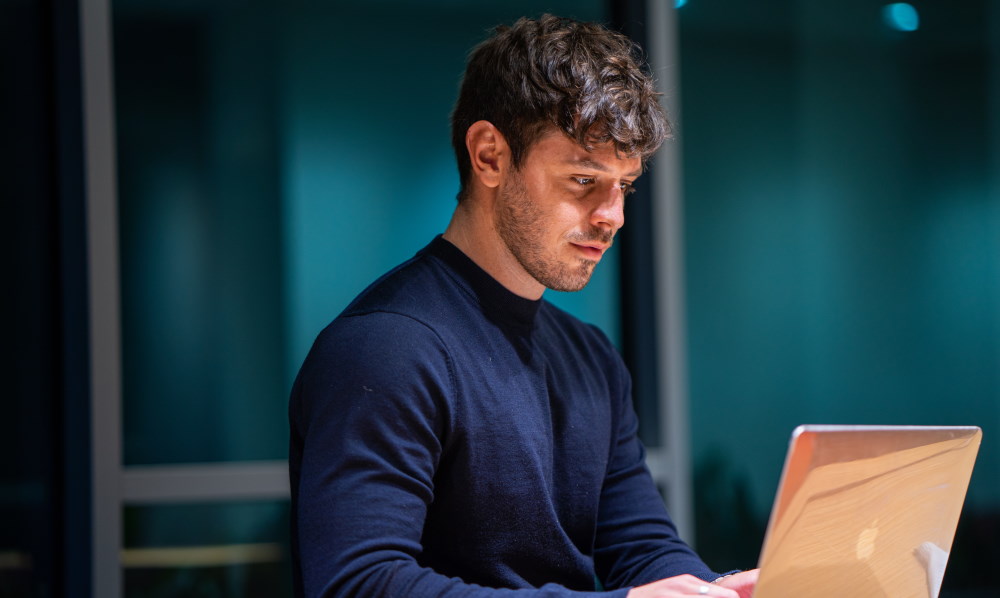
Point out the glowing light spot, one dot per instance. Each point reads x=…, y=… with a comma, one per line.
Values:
x=901, y=16
x=679, y=3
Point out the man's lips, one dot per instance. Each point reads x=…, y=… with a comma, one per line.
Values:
x=592, y=251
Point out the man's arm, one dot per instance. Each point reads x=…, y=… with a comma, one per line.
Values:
x=637, y=542
x=368, y=414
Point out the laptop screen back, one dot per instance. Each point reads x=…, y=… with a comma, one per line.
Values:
x=866, y=511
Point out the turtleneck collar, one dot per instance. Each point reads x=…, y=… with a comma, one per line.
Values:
x=496, y=300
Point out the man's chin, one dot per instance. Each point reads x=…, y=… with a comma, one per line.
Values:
x=568, y=289
x=570, y=284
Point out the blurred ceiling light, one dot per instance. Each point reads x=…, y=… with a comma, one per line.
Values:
x=901, y=16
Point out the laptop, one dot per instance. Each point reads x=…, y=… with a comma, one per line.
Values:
x=866, y=511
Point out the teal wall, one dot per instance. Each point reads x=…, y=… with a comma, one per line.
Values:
x=842, y=225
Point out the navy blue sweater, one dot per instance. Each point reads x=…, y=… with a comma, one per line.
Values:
x=450, y=438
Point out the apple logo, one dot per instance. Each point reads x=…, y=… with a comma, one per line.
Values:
x=866, y=541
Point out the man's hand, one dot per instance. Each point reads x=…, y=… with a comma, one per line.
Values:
x=687, y=585
x=743, y=583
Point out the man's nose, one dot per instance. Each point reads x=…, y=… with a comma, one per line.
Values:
x=610, y=210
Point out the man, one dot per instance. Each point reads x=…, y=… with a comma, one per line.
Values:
x=452, y=433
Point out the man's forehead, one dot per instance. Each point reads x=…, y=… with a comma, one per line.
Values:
x=588, y=161
x=602, y=157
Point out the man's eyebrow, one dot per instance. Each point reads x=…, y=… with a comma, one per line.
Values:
x=595, y=165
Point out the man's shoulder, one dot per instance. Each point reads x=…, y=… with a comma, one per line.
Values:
x=415, y=302
x=393, y=321
x=416, y=288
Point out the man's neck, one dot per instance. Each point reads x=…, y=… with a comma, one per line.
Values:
x=473, y=232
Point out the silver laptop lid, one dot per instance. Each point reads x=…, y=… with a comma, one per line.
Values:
x=866, y=511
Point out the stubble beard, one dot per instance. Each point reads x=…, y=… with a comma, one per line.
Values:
x=521, y=225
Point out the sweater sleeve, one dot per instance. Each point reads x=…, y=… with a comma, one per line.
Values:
x=636, y=541
x=369, y=418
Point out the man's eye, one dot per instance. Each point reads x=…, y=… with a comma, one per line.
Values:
x=627, y=188
x=583, y=180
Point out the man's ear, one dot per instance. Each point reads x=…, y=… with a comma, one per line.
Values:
x=488, y=152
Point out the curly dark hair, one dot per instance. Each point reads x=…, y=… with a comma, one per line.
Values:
x=590, y=82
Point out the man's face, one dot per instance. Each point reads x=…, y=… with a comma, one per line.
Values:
x=559, y=212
